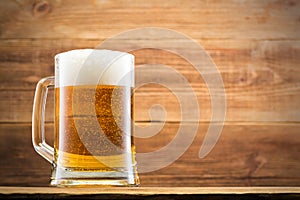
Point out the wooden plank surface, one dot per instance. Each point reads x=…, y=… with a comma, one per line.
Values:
x=245, y=155
x=279, y=105
x=244, y=64
x=150, y=190
x=150, y=193
x=254, y=44
x=262, y=80
x=102, y=19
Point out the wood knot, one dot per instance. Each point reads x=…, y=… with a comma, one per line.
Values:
x=255, y=162
x=41, y=8
x=292, y=3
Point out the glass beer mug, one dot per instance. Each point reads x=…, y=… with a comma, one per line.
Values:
x=93, y=142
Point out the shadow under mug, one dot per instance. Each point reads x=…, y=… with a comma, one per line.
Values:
x=93, y=139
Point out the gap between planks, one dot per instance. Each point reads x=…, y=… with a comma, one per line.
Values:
x=246, y=123
x=150, y=190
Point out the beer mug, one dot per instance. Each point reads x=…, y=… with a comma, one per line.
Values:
x=93, y=139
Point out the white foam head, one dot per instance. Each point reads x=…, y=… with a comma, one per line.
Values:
x=94, y=67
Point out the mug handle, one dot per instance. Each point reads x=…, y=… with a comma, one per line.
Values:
x=38, y=119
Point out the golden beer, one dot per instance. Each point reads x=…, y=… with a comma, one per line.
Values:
x=94, y=130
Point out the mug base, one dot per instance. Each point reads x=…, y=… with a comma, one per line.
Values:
x=70, y=177
x=92, y=183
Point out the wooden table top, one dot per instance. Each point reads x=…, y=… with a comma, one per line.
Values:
x=255, y=46
x=151, y=192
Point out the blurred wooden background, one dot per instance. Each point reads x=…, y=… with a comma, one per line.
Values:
x=255, y=45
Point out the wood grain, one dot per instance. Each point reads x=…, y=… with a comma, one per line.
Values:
x=150, y=193
x=261, y=79
x=254, y=44
x=150, y=190
x=242, y=63
x=199, y=19
x=245, y=155
x=273, y=106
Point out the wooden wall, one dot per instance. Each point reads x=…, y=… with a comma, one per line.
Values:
x=255, y=45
